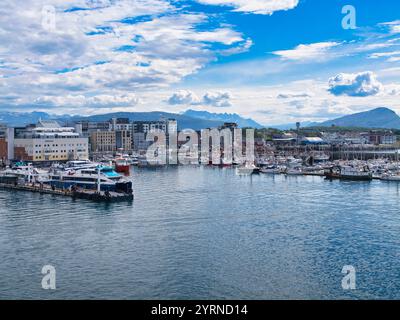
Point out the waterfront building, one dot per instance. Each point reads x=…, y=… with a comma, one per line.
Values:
x=378, y=137
x=3, y=150
x=46, y=141
x=123, y=140
x=88, y=127
x=3, y=130
x=147, y=126
x=103, y=141
x=140, y=129
x=121, y=124
x=3, y=144
x=339, y=138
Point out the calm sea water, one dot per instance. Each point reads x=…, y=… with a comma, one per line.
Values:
x=204, y=233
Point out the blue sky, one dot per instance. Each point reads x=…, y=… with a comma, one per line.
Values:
x=276, y=61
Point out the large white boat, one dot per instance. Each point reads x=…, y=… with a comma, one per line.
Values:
x=25, y=173
x=89, y=178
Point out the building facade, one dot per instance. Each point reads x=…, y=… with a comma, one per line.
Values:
x=121, y=124
x=377, y=137
x=3, y=143
x=103, y=141
x=123, y=140
x=140, y=129
x=46, y=141
x=88, y=127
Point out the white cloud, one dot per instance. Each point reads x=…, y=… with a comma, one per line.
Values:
x=307, y=51
x=99, y=101
x=393, y=26
x=392, y=89
x=255, y=6
x=294, y=95
x=391, y=55
x=355, y=84
x=183, y=97
x=215, y=99
x=93, y=51
x=240, y=48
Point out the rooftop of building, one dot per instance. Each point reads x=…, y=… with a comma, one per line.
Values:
x=48, y=124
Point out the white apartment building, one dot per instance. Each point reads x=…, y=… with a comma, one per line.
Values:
x=48, y=141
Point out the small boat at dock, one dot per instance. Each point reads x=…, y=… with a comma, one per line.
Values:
x=247, y=169
x=271, y=170
x=390, y=177
x=349, y=173
x=294, y=171
x=121, y=165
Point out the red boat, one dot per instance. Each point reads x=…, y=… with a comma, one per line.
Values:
x=121, y=166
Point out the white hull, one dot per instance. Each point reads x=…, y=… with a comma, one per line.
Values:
x=391, y=178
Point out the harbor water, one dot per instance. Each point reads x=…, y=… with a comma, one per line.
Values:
x=206, y=233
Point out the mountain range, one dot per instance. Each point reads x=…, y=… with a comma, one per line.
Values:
x=376, y=118
x=195, y=120
x=224, y=117
x=383, y=118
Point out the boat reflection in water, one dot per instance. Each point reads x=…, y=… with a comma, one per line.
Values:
x=247, y=169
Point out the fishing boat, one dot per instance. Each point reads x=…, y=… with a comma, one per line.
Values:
x=121, y=165
x=349, y=173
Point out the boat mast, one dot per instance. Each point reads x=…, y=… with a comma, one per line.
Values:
x=98, y=179
x=29, y=172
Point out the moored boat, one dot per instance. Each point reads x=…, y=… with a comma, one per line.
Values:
x=349, y=173
x=89, y=179
x=390, y=177
x=294, y=172
x=121, y=165
x=271, y=170
x=247, y=169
